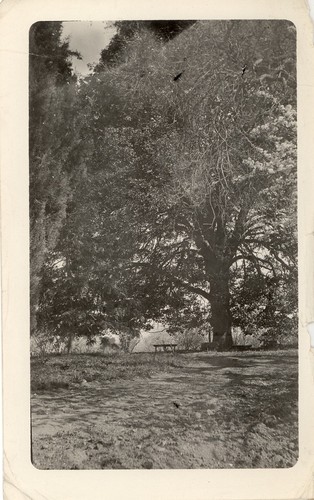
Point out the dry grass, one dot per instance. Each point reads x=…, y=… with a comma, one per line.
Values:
x=54, y=372
x=205, y=410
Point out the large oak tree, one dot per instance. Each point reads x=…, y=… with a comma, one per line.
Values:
x=190, y=186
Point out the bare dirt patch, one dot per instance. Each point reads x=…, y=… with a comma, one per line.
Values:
x=202, y=410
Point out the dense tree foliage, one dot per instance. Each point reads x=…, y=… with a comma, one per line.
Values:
x=53, y=142
x=189, y=184
x=128, y=30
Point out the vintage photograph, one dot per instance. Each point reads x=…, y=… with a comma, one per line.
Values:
x=163, y=244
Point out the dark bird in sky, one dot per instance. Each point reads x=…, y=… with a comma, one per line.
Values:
x=176, y=404
x=176, y=78
x=244, y=69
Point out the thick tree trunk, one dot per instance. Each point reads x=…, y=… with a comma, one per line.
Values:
x=221, y=320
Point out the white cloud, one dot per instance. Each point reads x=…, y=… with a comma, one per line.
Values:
x=88, y=38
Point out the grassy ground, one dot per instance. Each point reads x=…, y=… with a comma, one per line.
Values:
x=200, y=410
x=66, y=371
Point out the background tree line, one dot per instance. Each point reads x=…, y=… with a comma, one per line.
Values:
x=166, y=176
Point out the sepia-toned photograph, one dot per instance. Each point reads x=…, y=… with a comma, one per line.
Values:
x=163, y=244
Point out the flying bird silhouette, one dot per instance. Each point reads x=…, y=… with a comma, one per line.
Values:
x=176, y=78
